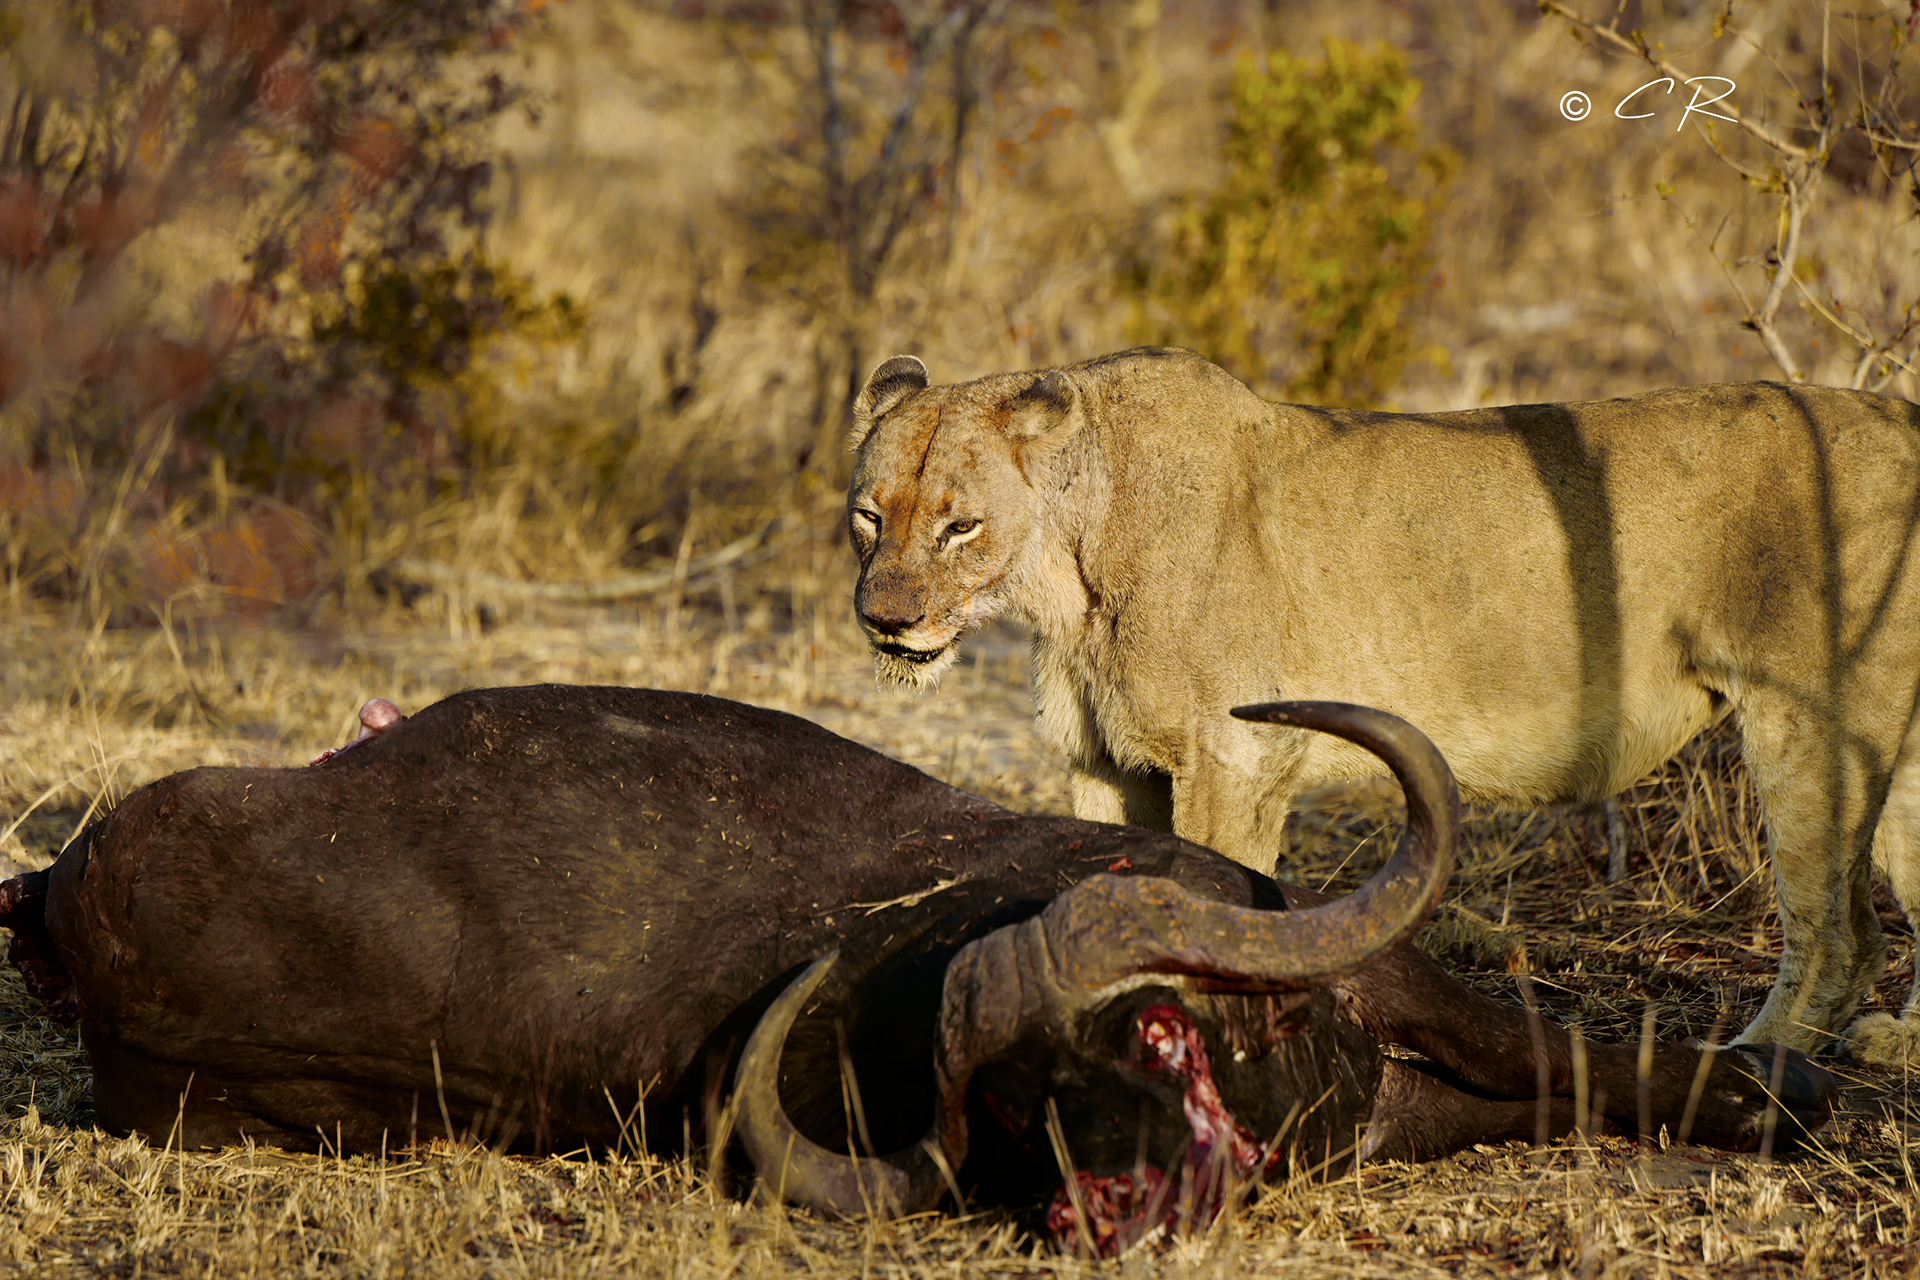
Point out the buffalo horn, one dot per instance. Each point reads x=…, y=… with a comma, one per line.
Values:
x=793, y=1166
x=1109, y=933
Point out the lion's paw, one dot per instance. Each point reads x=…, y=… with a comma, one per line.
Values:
x=1882, y=1040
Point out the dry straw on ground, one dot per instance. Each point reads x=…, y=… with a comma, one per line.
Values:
x=1686, y=931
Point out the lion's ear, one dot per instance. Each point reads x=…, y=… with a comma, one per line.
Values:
x=886, y=387
x=1040, y=419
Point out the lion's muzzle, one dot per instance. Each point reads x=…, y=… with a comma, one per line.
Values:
x=918, y=665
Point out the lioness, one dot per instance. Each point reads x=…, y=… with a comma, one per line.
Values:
x=1559, y=595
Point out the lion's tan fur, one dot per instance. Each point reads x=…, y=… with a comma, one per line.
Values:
x=1559, y=595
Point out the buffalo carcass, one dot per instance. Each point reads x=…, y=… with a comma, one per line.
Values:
x=521, y=912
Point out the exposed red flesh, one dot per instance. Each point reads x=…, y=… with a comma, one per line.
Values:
x=1171, y=1036
x=1122, y=1208
x=23, y=909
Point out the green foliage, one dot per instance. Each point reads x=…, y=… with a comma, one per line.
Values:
x=1308, y=256
x=420, y=323
x=406, y=377
x=442, y=328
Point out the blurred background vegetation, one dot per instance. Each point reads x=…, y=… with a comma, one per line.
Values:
x=310, y=303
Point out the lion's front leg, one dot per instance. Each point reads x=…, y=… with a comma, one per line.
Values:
x=1224, y=812
x=1233, y=791
x=1104, y=792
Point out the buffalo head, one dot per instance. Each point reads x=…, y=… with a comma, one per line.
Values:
x=1140, y=1048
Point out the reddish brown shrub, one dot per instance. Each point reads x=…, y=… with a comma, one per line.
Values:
x=331, y=134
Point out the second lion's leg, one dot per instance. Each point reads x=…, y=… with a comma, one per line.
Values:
x=1822, y=779
x=1498, y=1051
x=1884, y=1038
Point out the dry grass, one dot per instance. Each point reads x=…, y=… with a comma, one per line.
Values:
x=95, y=711
x=1688, y=928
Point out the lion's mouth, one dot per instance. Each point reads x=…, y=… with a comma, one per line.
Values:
x=919, y=657
x=917, y=666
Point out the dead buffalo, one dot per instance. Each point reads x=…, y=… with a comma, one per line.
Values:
x=558, y=916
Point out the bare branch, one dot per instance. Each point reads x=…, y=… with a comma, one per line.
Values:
x=1118, y=133
x=819, y=22
x=1898, y=364
x=1884, y=140
x=1712, y=251
x=1862, y=367
x=1826, y=80
x=1865, y=341
x=1886, y=351
x=891, y=209
x=1761, y=321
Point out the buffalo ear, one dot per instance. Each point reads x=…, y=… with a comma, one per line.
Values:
x=1040, y=420
x=886, y=387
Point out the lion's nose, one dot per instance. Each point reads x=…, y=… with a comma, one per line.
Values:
x=890, y=622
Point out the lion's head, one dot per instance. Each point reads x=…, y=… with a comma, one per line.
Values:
x=943, y=507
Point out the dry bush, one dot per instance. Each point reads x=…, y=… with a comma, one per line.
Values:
x=1318, y=239
x=225, y=230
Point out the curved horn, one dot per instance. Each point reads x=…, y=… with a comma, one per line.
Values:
x=1110, y=932
x=1389, y=908
x=1108, y=928
x=795, y=1167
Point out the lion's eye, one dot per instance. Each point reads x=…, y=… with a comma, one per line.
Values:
x=869, y=519
x=960, y=528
